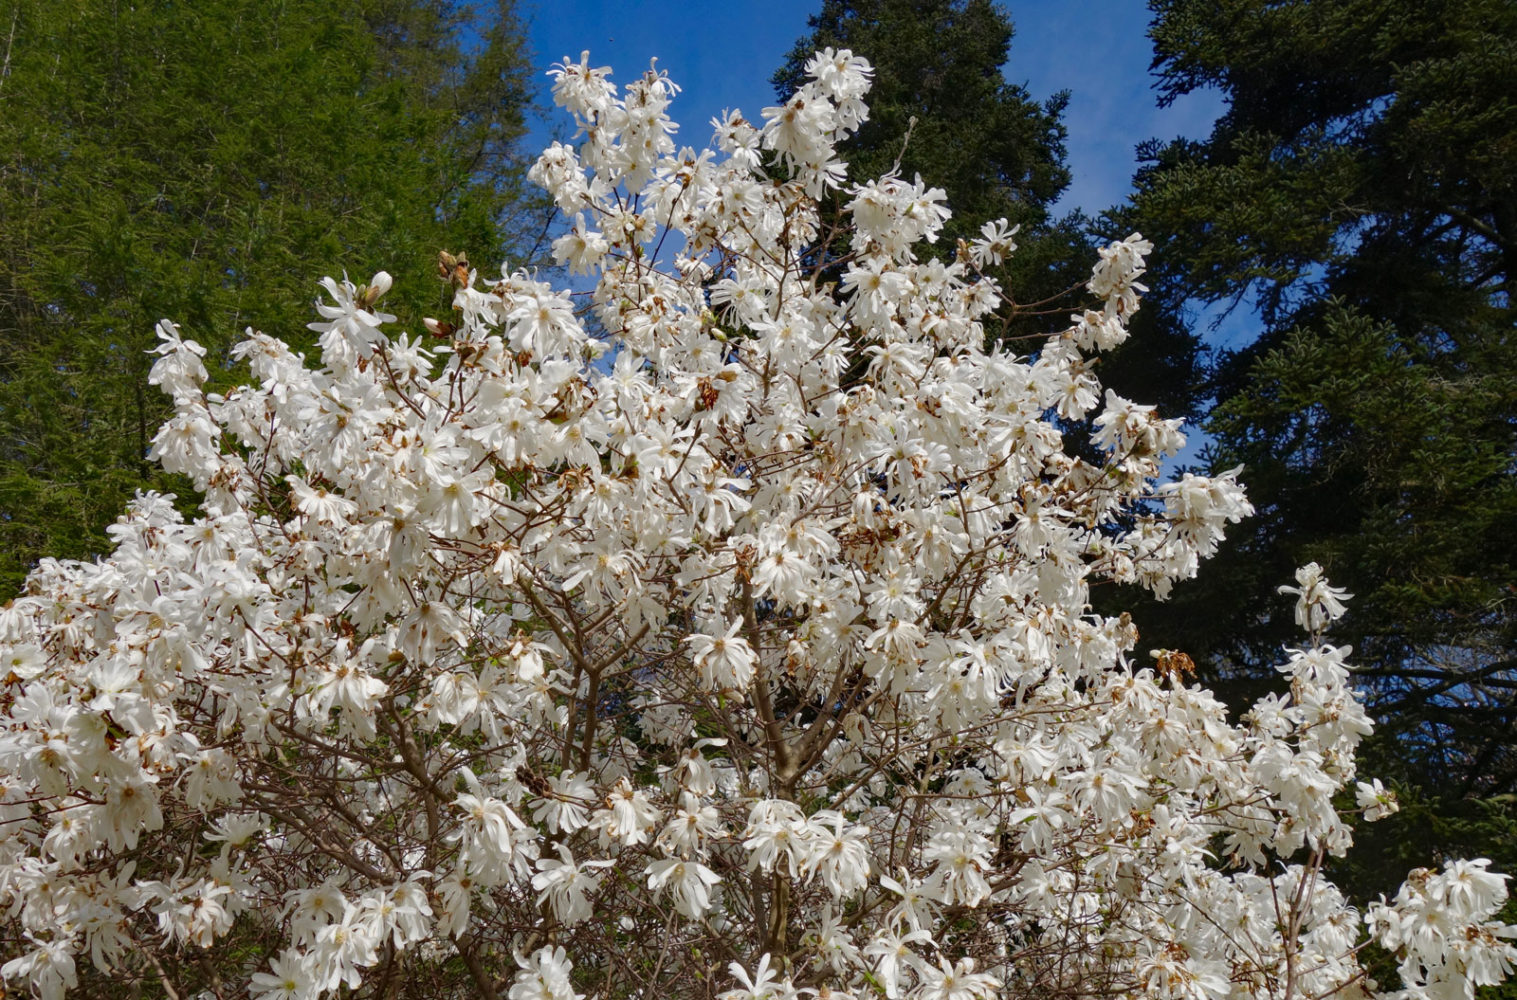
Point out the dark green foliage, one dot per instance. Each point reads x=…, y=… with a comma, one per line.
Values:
x=1362, y=192
x=207, y=163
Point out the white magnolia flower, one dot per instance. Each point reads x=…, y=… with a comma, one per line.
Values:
x=1375, y=800
x=565, y=885
x=292, y=977
x=763, y=984
x=956, y=981
x=687, y=882
x=544, y=975
x=726, y=662
x=1317, y=603
x=837, y=853
x=895, y=958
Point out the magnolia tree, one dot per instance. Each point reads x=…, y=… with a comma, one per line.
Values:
x=740, y=650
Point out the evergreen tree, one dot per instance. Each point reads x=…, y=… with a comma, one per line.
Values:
x=941, y=106
x=1361, y=192
x=199, y=162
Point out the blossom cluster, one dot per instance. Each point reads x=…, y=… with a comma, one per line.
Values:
x=727, y=634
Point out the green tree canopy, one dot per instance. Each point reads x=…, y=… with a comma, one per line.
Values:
x=201, y=162
x=1361, y=193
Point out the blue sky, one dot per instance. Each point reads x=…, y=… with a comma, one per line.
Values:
x=723, y=53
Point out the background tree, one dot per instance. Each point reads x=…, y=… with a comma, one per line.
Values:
x=1360, y=191
x=200, y=161
x=996, y=152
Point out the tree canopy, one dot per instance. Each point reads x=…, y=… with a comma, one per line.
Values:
x=1360, y=192
x=200, y=161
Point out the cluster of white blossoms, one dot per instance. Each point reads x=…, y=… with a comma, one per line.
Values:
x=740, y=649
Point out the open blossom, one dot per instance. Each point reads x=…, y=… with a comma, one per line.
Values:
x=725, y=662
x=690, y=828
x=1377, y=801
x=564, y=808
x=544, y=975
x=775, y=836
x=291, y=977
x=580, y=248
x=1440, y=924
x=628, y=816
x=723, y=627
x=1317, y=603
x=763, y=984
x=836, y=853
x=565, y=885
x=349, y=326
x=197, y=913
x=688, y=884
x=179, y=369
x=490, y=837
x=914, y=907
x=956, y=981
x=960, y=858
x=344, y=948
x=897, y=961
